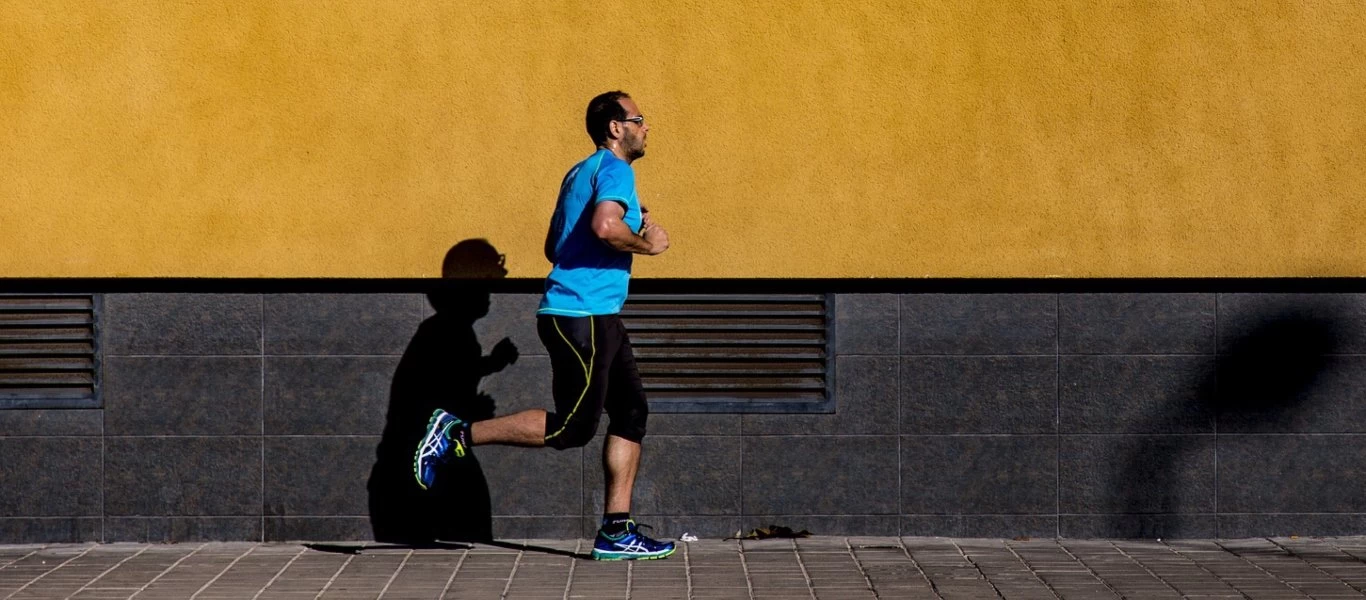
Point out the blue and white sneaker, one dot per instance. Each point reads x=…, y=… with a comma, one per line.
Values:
x=630, y=545
x=437, y=445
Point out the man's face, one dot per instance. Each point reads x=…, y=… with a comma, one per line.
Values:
x=633, y=133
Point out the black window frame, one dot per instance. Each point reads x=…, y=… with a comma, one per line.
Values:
x=719, y=403
x=94, y=399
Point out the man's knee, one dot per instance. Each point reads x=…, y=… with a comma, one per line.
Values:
x=574, y=433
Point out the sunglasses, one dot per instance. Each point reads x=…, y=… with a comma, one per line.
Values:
x=638, y=119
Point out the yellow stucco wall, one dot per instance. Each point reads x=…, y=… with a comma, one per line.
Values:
x=825, y=138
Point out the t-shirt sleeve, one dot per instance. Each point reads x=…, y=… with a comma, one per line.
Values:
x=615, y=182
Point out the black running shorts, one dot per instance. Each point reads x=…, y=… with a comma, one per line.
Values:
x=593, y=369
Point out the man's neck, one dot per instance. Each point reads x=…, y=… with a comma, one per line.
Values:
x=617, y=152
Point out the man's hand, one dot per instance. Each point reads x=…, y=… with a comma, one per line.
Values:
x=655, y=235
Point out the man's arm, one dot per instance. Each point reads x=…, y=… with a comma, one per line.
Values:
x=609, y=228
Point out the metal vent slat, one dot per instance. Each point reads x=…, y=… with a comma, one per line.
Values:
x=731, y=350
x=47, y=350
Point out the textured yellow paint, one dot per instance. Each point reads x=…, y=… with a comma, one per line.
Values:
x=824, y=138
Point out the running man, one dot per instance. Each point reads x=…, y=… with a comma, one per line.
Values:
x=597, y=226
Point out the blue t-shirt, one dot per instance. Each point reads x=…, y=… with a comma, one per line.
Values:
x=589, y=277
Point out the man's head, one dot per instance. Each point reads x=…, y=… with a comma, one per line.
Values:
x=614, y=122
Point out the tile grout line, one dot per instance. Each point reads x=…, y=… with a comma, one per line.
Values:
x=261, y=398
x=1178, y=553
x=215, y=577
x=512, y=574
x=977, y=568
x=1032, y=571
x=394, y=576
x=687, y=569
x=109, y=570
x=1291, y=552
x=569, y=581
x=744, y=566
x=168, y=570
x=279, y=573
x=901, y=541
x=1219, y=525
x=343, y=566
x=50, y=571
x=810, y=589
x=1146, y=569
x=859, y=565
x=449, y=580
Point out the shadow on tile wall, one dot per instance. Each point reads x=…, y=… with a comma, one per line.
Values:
x=441, y=368
x=1268, y=368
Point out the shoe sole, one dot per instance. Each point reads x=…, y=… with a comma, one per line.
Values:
x=598, y=555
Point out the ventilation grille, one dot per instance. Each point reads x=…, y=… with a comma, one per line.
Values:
x=731, y=353
x=47, y=351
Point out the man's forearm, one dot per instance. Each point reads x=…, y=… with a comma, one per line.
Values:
x=620, y=237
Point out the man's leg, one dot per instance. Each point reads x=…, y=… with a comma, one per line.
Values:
x=526, y=428
x=619, y=537
x=620, y=459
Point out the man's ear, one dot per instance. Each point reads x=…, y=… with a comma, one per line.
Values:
x=614, y=130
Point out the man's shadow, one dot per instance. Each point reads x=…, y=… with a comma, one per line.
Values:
x=1262, y=381
x=441, y=368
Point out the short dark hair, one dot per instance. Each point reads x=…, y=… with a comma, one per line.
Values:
x=602, y=110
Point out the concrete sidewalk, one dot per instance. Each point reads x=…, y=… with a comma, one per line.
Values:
x=820, y=567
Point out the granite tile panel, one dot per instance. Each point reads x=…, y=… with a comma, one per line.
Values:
x=1009, y=526
x=331, y=529
x=49, y=477
x=678, y=475
x=181, y=324
x=317, y=475
x=523, y=385
x=865, y=403
x=819, y=475
x=979, y=394
x=367, y=324
x=831, y=525
x=182, y=476
x=978, y=475
x=173, y=530
x=327, y=395
x=49, y=530
x=1292, y=324
x=1330, y=397
x=534, y=527
x=41, y=422
x=182, y=395
x=1245, y=525
x=533, y=481
x=1118, y=323
x=931, y=525
x=1136, y=474
x=1292, y=473
x=1136, y=394
x=979, y=324
x=512, y=316
x=692, y=424
x=1133, y=526
x=867, y=324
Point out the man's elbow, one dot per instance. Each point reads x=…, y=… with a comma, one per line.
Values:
x=604, y=230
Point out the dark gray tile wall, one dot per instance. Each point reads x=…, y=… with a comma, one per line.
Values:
x=263, y=416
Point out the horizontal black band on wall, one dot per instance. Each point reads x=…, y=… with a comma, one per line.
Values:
x=658, y=286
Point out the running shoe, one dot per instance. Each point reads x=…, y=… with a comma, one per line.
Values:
x=630, y=545
x=437, y=445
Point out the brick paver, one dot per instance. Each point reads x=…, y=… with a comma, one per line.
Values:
x=832, y=568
